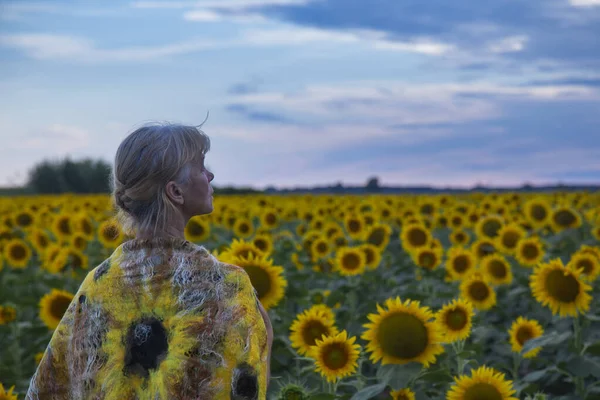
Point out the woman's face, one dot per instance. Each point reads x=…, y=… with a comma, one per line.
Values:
x=198, y=199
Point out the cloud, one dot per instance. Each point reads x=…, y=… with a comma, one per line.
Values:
x=58, y=138
x=64, y=47
x=221, y=4
x=584, y=3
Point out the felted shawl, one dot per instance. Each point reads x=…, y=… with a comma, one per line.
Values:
x=160, y=319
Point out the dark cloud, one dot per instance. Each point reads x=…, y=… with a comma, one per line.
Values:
x=259, y=116
x=555, y=29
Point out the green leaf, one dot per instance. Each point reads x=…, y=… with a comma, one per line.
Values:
x=535, y=375
x=369, y=392
x=591, y=317
x=593, y=349
x=582, y=367
x=551, y=339
x=398, y=375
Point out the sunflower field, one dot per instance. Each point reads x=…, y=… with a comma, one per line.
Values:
x=469, y=296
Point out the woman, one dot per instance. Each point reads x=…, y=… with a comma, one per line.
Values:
x=161, y=318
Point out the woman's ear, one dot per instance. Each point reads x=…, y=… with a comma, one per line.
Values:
x=174, y=193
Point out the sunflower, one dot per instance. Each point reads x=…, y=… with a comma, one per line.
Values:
x=7, y=395
x=530, y=251
x=240, y=248
x=415, y=236
x=596, y=231
x=402, y=394
x=459, y=237
x=335, y=356
x=79, y=241
x=588, y=263
x=269, y=219
x=39, y=240
x=403, y=333
x=320, y=248
x=509, y=237
x=25, y=219
x=82, y=224
x=372, y=255
x=497, y=269
x=476, y=289
x=564, y=218
x=62, y=226
x=489, y=226
x=485, y=383
x=53, y=306
x=560, y=288
x=7, y=314
x=110, y=234
x=537, y=211
x=76, y=258
x=197, y=229
x=457, y=221
x=483, y=247
x=378, y=235
x=427, y=258
x=17, y=253
x=309, y=326
x=267, y=279
x=243, y=228
x=350, y=261
x=521, y=331
x=355, y=226
x=455, y=320
x=38, y=358
x=264, y=243
x=460, y=262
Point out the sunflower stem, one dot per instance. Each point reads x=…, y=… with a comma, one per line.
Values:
x=577, y=334
x=516, y=365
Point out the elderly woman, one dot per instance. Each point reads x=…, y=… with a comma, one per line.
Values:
x=161, y=318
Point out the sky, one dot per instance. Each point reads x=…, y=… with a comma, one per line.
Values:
x=312, y=92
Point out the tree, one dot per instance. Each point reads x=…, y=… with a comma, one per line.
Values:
x=373, y=185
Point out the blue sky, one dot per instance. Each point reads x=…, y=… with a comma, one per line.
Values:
x=305, y=93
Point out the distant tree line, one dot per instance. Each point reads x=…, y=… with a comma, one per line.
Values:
x=68, y=176
x=83, y=176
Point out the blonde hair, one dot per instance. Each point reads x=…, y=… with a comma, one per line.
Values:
x=146, y=160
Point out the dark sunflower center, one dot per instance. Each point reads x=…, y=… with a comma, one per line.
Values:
x=586, y=264
x=485, y=249
x=59, y=306
x=271, y=218
x=195, y=229
x=76, y=260
x=456, y=319
x=377, y=237
x=261, y=244
x=322, y=247
x=335, y=356
x=24, y=219
x=370, y=255
x=341, y=241
x=351, y=261
x=530, y=251
x=111, y=233
x=510, y=239
x=86, y=227
x=79, y=242
x=461, y=263
x=42, y=240
x=261, y=280
x=561, y=287
x=314, y=330
x=417, y=237
x=403, y=336
x=244, y=228
x=524, y=334
x=18, y=252
x=479, y=291
x=497, y=269
x=491, y=227
x=456, y=221
x=427, y=209
x=64, y=227
x=482, y=391
x=460, y=237
x=354, y=226
x=564, y=218
x=538, y=213
x=427, y=259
